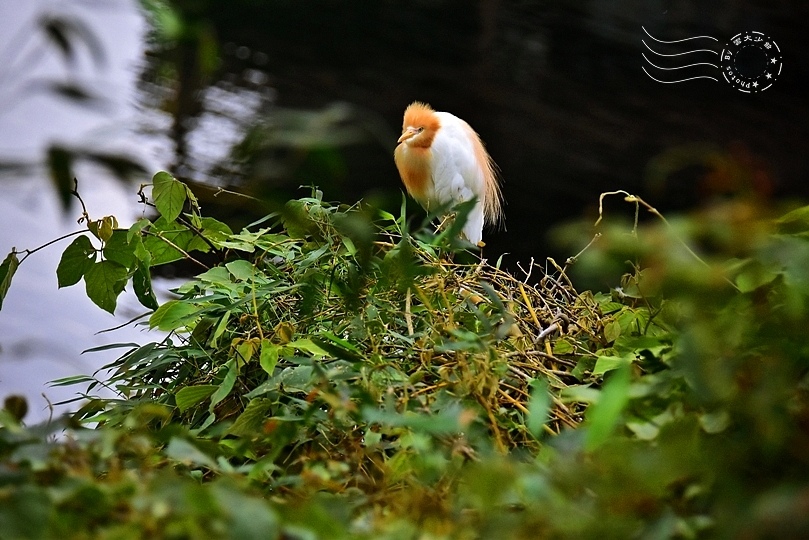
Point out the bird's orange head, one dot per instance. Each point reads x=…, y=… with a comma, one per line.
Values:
x=420, y=125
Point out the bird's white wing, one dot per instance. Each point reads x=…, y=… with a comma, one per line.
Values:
x=457, y=177
x=456, y=173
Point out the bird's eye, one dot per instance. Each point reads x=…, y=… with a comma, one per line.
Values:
x=421, y=129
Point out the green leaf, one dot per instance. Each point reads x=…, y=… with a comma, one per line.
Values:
x=612, y=331
x=580, y=393
x=609, y=363
x=118, y=249
x=754, y=276
x=562, y=346
x=104, y=281
x=268, y=358
x=172, y=315
x=603, y=416
x=309, y=346
x=189, y=396
x=185, y=452
x=7, y=270
x=75, y=262
x=252, y=419
x=538, y=406
x=136, y=228
x=216, y=275
x=227, y=383
x=142, y=283
x=240, y=269
x=220, y=328
x=169, y=195
x=245, y=350
x=714, y=422
x=214, y=230
x=164, y=239
x=106, y=226
x=645, y=431
x=140, y=251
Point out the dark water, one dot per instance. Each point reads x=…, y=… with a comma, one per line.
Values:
x=556, y=89
x=263, y=97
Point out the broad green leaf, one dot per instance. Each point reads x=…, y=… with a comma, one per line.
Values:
x=538, y=406
x=562, y=346
x=296, y=219
x=603, y=416
x=136, y=228
x=142, y=283
x=214, y=230
x=118, y=249
x=216, y=275
x=612, y=331
x=633, y=320
x=580, y=393
x=645, y=431
x=293, y=379
x=172, y=315
x=140, y=251
x=164, y=239
x=183, y=451
x=245, y=349
x=227, y=383
x=240, y=269
x=794, y=222
x=189, y=396
x=284, y=332
x=609, y=363
x=754, y=276
x=104, y=281
x=268, y=357
x=169, y=195
x=251, y=420
x=75, y=262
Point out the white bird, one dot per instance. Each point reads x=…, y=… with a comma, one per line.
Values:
x=443, y=162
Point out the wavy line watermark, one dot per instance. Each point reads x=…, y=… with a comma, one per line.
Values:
x=750, y=61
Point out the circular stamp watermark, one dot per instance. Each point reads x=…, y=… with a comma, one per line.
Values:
x=751, y=61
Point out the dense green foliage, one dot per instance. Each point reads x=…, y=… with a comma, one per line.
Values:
x=330, y=375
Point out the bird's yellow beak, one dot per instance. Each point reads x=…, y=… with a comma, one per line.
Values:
x=408, y=133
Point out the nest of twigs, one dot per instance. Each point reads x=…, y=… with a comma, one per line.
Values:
x=542, y=329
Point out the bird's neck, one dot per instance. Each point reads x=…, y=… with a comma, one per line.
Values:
x=413, y=163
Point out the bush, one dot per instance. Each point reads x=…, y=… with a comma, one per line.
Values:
x=331, y=375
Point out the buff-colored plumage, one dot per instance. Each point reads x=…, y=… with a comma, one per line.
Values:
x=443, y=162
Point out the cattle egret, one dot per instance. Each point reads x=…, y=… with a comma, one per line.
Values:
x=443, y=162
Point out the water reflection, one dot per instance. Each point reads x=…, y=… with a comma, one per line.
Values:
x=43, y=330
